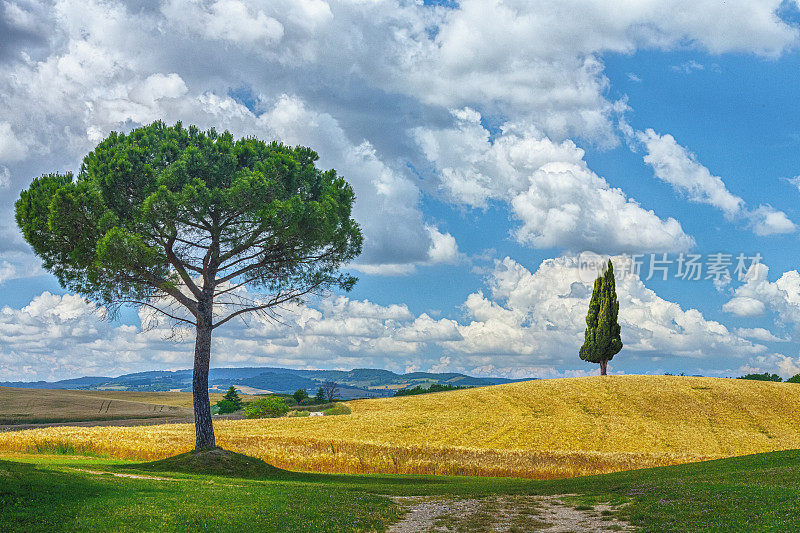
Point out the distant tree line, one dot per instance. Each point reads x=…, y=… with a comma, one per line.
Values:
x=275, y=404
x=435, y=387
x=770, y=377
x=327, y=393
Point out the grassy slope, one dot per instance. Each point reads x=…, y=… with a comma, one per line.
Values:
x=756, y=492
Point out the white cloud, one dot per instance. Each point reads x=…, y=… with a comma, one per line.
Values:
x=674, y=164
x=5, y=177
x=158, y=86
x=7, y=271
x=744, y=306
x=229, y=20
x=444, y=249
x=677, y=166
x=528, y=323
x=759, y=334
x=541, y=61
x=11, y=148
x=758, y=294
x=765, y=220
x=557, y=199
x=542, y=314
x=387, y=204
x=780, y=364
x=794, y=181
x=688, y=67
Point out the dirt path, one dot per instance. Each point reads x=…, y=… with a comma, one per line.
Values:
x=504, y=513
x=156, y=478
x=117, y=474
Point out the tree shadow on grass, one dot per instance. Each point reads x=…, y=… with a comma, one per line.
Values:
x=219, y=462
x=33, y=499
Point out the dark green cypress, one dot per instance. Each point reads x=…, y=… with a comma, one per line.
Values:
x=602, y=337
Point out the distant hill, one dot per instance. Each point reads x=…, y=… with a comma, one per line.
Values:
x=356, y=383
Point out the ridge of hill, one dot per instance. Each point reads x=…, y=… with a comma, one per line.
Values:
x=356, y=383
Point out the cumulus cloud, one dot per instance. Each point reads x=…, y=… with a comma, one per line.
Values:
x=766, y=220
x=525, y=323
x=230, y=20
x=758, y=294
x=677, y=166
x=759, y=334
x=11, y=148
x=777, y=363
x=744, y=306
x=674, y=164
x=387, y=206
x=542, y=314
x=540, y=61
x=75, y=70
x=557, y=199
x=351, y=78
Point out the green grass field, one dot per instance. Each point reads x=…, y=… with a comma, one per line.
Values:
x=50, y=493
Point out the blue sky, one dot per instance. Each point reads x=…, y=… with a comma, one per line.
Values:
x=489, y=143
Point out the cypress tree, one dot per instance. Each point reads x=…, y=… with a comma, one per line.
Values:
x=602, y=337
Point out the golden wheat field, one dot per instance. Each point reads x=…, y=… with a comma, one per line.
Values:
x=537, y=429
x=177, y=399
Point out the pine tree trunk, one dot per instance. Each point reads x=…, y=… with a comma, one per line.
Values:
x=204, y=429
x=603, y=367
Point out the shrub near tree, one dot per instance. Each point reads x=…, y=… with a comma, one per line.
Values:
x=198, y=227
x=269, y=407
x=602, y=336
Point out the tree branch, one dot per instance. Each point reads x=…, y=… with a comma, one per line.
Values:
x=276, y=301
x=156, y=308
x=179, y=267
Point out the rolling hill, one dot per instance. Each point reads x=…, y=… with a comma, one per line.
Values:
x=547, y=428
x=26, y=406
x=356, y=383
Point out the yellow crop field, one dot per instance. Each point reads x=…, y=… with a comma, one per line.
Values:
x=539, y=429
x=178, y=399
